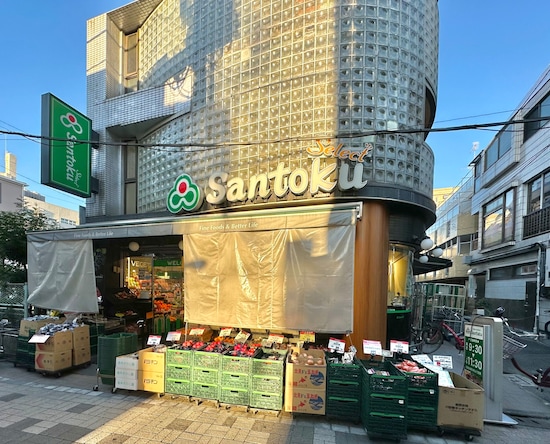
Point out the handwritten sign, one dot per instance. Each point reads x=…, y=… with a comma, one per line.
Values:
x=196, y=331
x=226, y=331
x=242, y=336
x=307, y=336
x=444, y=362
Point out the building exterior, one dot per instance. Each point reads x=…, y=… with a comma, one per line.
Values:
x=11, y=193
x=220, y=109
x=61, y=216
x=511, y=188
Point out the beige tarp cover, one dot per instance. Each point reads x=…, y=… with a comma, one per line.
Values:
x=286, y=271
x=62, y=276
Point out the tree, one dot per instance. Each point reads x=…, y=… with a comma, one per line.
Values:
x=14, y=226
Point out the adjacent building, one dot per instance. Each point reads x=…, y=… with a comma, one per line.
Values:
x=262, y=139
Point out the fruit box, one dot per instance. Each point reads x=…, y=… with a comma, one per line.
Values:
x=53, y=361
x=151, y=361
x=60, y=341
x=305, y=400
x=306, y=376
x=82, y=355
x=462, y=405
x=81, y=336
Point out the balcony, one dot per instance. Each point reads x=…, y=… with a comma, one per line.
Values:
x=536, y=223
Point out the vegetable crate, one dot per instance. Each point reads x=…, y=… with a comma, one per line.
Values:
x=423, y=395
x=267, y=379
x=344, y=390
x=384, y=395
x=179, y=357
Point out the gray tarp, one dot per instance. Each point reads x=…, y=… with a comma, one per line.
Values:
x=292, y=271
x=62, y=276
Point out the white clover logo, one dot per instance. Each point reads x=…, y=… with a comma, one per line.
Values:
x=185, y=195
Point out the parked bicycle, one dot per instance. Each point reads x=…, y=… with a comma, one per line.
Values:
x=430, y=338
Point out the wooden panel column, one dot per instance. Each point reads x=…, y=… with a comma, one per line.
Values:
x=371, y=276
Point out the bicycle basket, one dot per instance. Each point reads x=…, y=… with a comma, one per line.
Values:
x=510, y=346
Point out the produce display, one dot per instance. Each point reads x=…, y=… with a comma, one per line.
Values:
x=409, y=366
x=305, y=359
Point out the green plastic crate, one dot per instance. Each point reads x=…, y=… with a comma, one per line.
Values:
x=208, y=360
x=422, y=417
x=236, y=364
x=234, y=396
x=423, y=397
x=177, y=387
x=267, y=384
x=179, y=357
x=385, y=425
x=206, y=376
x=235, y=381
x=178, y=372
x=267, y=401
x=344, y=372
x=387, y=403
x=268, y=367
x=207, y=391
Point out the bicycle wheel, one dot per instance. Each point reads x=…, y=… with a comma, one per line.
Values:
x=432, y=339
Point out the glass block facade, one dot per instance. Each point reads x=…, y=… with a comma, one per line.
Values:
x=243, y=86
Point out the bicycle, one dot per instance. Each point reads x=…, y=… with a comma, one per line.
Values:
x=433, y=335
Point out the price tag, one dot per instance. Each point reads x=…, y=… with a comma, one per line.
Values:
x=307, y=336
x=226, y=331
x=275, y=339
x=373, y=348
x=173, y=336
x=444, y=362
x=399, y=346
x=153, y=340
x=242, y=336
x=337, y=345
x=196, y=331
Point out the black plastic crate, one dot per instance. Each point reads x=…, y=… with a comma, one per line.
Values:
x=344, y=389
x=387, y=403
x=385, y=425
x=344, y=408
x=419, y=397
x=422, y=417
x=343, y=372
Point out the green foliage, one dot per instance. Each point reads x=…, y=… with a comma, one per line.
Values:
x=14, y=226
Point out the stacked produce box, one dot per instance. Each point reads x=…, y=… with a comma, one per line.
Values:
x=306, y=381
x=236, y=367
x=343, y=388
x=179, y=365
x=384, y=401
x=24, y=354
x=205, y=381
x=266, y=386
x=151, y=369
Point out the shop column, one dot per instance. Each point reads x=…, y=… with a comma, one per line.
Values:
x=371, y=276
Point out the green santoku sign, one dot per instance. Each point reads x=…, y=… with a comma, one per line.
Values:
x=66, y=148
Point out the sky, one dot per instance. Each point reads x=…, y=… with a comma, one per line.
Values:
x=491, y=52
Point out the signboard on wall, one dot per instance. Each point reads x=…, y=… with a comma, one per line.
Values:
x=66, y=147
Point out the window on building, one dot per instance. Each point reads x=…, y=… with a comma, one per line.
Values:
x=501, y=144
x=498, y=220
x=538, y=193
x=130, y=179
x=130, y=62
x=540, y=110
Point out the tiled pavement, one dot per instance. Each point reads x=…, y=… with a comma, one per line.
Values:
x=48, y=410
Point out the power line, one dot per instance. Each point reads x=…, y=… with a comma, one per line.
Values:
x=346, y=135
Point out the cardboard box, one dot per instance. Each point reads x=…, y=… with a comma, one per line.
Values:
x=462, y=405
x=82, y=355
x=81, y=336
x=60, y=341
x=126, y=378
x=53, y=361
x=151, y=361
x=300, y=400
x=128, y=362
x=151, y=381
x=26, y=326
x=306, y=375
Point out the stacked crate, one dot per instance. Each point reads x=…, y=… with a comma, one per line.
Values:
x=179, y=364
x=384, y=401
x=235, y=379
x=205, y=382
x=344, y=390
x=267, y=379
x=423, y=398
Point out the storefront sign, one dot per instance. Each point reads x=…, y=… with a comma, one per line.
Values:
x=473, y=351
x=66, y=148
x=186, y=195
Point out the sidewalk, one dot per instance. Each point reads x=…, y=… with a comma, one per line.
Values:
x=45, y=409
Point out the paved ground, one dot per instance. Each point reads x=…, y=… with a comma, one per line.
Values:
x=45, y=409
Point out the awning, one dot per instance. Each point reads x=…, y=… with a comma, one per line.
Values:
x=433, y=264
